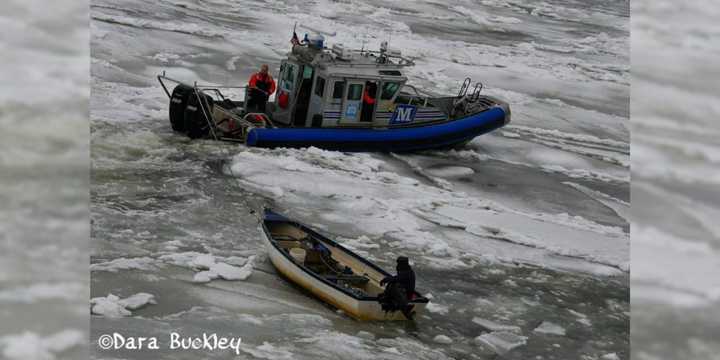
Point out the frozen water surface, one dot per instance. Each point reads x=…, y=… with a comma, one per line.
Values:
x=515, y=229
x=43, y=180
x=676, y=243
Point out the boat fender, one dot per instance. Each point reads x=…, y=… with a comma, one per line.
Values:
x=283, y=100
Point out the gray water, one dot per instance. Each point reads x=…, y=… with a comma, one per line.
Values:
x=675, y=179
x=44, y=201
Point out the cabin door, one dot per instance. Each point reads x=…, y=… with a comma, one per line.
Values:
x=302, y=101
x=352, y=106
x=286, y=92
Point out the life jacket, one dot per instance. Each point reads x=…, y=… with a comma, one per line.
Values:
x=262, y=82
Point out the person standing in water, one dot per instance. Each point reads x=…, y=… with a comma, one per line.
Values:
x=260, y=87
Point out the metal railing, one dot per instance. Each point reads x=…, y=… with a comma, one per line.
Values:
x=205, y=107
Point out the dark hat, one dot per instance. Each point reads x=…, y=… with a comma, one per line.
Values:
x=403, y=260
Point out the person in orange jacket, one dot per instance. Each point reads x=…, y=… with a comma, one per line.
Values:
x=260, y=87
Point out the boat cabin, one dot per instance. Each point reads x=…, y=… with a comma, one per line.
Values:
x=338, y=87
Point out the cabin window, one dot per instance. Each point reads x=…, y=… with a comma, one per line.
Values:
x=388, y=90
x=390, y=72
x=354, y=91
x=320, y=86
x=338, y=89
x=307, y=72
x=288, y=80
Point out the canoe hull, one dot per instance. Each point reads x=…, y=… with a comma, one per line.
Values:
x=400, y=139
x=360, y=309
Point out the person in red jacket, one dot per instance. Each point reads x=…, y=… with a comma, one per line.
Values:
x=260, y=87
x=368, y=101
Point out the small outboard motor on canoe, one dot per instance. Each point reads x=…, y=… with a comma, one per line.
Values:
x=400, y=289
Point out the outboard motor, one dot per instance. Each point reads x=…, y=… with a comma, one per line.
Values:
x=400, y=288
x=178, y=103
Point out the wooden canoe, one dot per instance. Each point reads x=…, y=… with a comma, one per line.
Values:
x=341, y=278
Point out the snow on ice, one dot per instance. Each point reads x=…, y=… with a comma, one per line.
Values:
x=114, y=306
x=31, y=346
x=547, y=327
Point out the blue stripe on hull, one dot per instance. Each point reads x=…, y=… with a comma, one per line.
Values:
x=393, y=139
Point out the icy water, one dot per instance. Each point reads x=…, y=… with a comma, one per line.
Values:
x=521, y=238
x=676, y=238
x=44, y=202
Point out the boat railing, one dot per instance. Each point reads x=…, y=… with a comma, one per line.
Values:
x=244, y=121
x=476, y=91
x=463, y=97
x=381, y=58
x=422, y=96
x=212, y=88
x=464, y=88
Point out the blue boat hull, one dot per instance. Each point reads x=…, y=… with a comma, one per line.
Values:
x=389, y=140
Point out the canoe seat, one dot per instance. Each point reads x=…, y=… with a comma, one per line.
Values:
x=286, y=232
x=282, y=237
x=289, y=244
x=356, y=280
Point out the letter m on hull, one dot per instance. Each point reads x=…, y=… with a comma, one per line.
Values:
x=403, y=114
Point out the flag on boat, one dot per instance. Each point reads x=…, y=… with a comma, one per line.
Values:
x=295, y=40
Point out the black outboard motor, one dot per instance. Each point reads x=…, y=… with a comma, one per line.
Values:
x=178, y=103
x=400, y=289
x=196, y=116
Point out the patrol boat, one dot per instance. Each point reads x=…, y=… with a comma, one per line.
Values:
x=320, y=103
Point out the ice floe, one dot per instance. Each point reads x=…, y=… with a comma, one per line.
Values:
x=203, y=261
x=450, y=171
x=398, y=210
x=220, y=270
x=547, y=327
x=580, y=317
x=501, y=341
x=437, y=308
x=113, y=306
x=141, y=263
x=31, y=346
x=493, y=326
x=267, y=351
x=229, y=272
x=442, y=339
